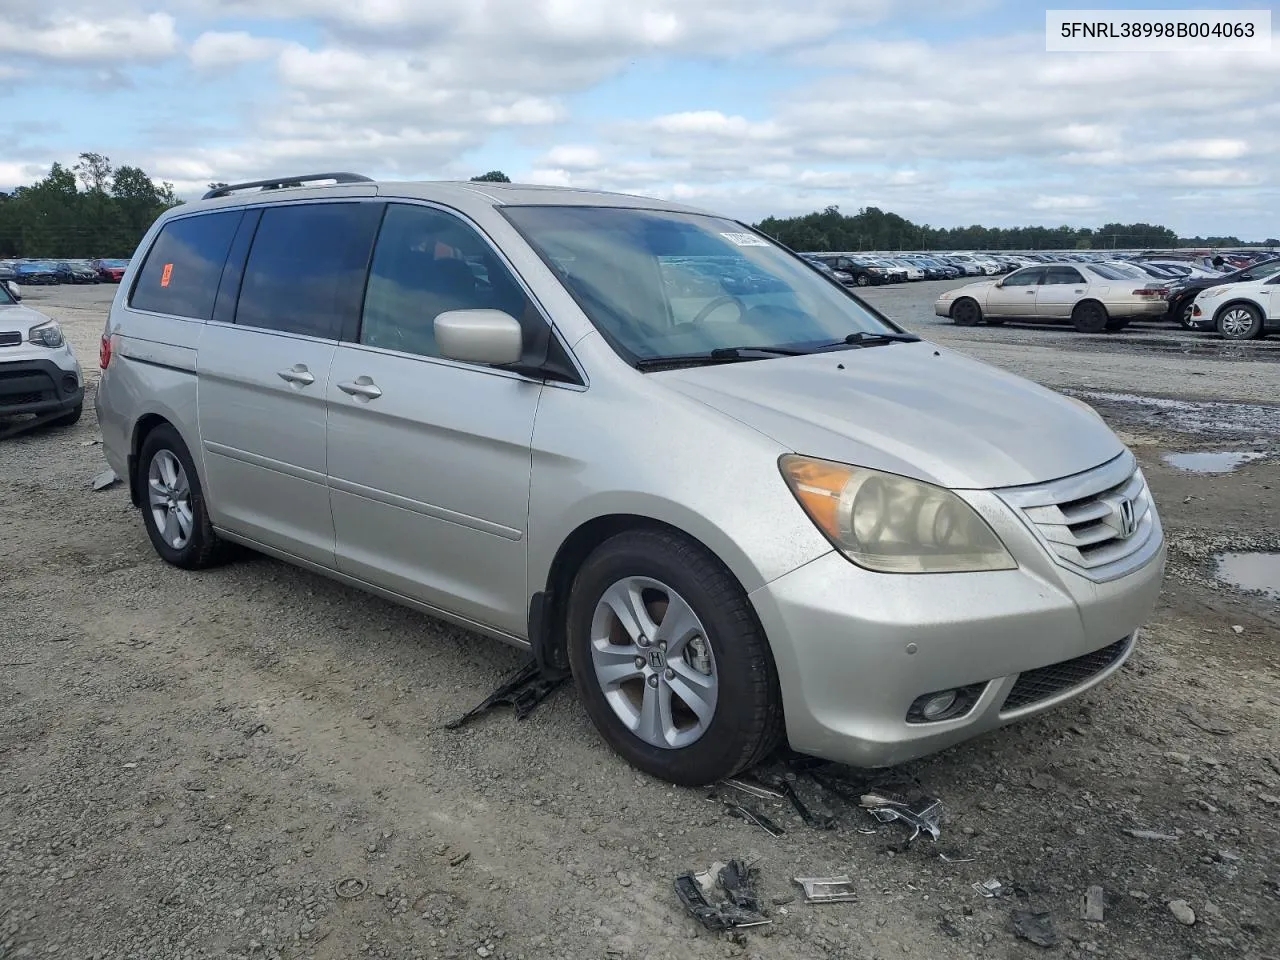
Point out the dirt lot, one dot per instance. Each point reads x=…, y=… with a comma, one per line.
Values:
x=189, y=764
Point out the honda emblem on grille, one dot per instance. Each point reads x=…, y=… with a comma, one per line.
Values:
x=1128, y=520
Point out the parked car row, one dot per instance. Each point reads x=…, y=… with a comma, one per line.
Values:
x=34, y=272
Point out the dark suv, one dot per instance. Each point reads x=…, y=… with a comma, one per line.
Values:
x=861, y=274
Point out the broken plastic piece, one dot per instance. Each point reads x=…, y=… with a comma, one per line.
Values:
x=1094, y=904
x=527, y=688
x=827, y=889
x=737, y=879
x=752, y=789
x=107, y=478
x=1150, y=835
x=818, y=821
x=718, y=916
x=922, y=813
x=990, y=888
x=1035, y=926
x=752, y=816
x=946, y=859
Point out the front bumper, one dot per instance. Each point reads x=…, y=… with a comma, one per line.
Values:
x=39, y=386
x=855, y=649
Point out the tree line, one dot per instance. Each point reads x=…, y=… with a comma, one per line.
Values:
x=92, y=209
x=874, y=229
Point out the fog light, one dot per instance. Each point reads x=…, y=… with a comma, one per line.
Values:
x=938, y=705
x=945, y=704
x=70, y=383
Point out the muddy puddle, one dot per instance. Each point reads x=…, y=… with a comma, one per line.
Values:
x=1221, y=461
x=1251, y=571
x=1250, y=420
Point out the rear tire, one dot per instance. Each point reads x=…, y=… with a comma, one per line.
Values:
x=718, y=653
x=173, y=505
x=1117, y=324
x=862, y=280
x=1240, y=321
x=1185, y=316
x=1089, y=317
x=965, y=312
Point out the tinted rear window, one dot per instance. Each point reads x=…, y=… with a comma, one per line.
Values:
x=306, y=269
x=182, y=270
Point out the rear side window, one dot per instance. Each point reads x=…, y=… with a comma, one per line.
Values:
x=182, y=270
x=306, y=268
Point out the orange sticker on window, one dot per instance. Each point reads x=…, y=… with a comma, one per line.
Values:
x=168, y=272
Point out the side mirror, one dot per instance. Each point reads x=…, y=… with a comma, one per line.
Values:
x=479, y=336
x=1000, y=282
x=13, y=289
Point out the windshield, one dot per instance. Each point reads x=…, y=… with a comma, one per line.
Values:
x=662, y=284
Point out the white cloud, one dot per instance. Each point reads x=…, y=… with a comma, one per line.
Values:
x=1070, y=203
x=100, y=37
x=215, y=49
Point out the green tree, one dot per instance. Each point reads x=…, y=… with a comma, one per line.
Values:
x=493, y=176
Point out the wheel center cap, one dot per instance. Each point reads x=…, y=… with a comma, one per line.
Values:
x=657, y=659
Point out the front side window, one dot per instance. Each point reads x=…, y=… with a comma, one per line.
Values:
x=1024, y=278
x=182, y=270
x=663, y=284
x=306, y=268
x=427, y=262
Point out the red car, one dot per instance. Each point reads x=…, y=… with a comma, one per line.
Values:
x=111, y=270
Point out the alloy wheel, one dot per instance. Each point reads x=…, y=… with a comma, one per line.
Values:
x=653, y=661
x=1237, y=322
x=169, y=496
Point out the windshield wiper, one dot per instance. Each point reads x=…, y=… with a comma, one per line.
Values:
x=864, y=339
x=718, y=355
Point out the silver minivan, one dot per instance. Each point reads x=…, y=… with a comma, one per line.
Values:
x=646, y=443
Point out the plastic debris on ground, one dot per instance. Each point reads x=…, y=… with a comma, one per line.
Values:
x=991, y=889
x=723, y=897
x=827, y=889
x=1094, y=904
x=107, y=478
x=525, y=689
x=921, y=813
x=1035, y=926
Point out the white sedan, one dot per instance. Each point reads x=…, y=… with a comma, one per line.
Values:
x=1094, y=297
x=1240, y=311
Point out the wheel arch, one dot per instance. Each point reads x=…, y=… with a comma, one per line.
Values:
x=143, y=427
x=1239, y=302
x=548, y=606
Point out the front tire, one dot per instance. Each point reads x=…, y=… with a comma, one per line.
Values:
x=1240, y=321
x=1089, y=317
x=965, y=312
x=173, y=505
x=862, y=280
x=670, y=661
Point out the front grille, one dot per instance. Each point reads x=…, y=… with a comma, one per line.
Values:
x=13, y=339
x=1081, y=519
x=1044, y=682
x=21, y=399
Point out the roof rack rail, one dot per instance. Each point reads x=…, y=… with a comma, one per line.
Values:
x=280, y=182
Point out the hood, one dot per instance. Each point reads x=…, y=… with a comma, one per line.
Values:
x=22, y=319
x=914, y=409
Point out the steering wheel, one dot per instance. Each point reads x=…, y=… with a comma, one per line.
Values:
x=716, y=304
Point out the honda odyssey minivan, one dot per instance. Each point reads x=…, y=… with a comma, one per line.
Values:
x=739, y=513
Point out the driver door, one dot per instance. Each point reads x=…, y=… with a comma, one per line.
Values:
x=1016, y=296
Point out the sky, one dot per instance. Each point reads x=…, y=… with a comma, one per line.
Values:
x=947, y=112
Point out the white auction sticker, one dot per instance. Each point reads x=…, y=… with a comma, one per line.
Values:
x=745, y=239
x=1154, y=31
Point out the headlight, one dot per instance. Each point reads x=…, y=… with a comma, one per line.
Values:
x=1212, y=292
x=47, y=335
x=891, y=524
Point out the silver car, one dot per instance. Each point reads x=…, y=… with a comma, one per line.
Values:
x=739, y=511
x=39, y=372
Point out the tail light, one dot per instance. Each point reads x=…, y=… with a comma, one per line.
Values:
x=104, y=351
x=1151, y=292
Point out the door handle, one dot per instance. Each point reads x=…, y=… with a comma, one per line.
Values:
x=362, y=387
x=298, y=374
x=1032, y=292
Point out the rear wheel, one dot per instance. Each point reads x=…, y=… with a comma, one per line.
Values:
x=1240, y=321
x=862, y=280
x=173, y=507
x=670, y=661
x=966, y=312
x=1089, y=317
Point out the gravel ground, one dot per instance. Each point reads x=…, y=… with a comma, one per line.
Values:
x=191, y=764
